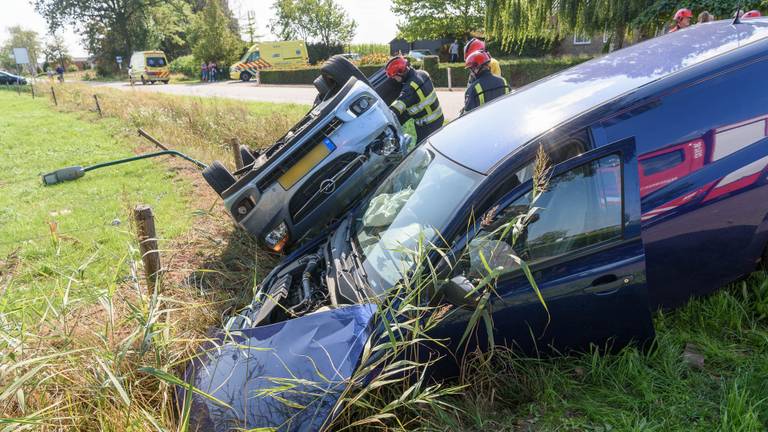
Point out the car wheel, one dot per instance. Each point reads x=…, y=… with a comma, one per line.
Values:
x=389, y=90
x=166, y=81
x=337, y=70
x=245, y=76
x=218, y=177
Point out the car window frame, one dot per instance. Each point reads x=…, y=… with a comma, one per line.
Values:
x=589, y=156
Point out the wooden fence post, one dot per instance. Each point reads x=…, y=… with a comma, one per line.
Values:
x=150, y=256
x=151, y=139
x=236, y=154
x=98, y=107
x=32, y=87
x=53, y=93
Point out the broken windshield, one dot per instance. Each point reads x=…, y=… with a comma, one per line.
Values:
x=414, y=204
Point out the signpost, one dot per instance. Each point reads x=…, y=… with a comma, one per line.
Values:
x=22, y=58
x=119, y=60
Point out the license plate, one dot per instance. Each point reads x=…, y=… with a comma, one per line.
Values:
x=306, y=164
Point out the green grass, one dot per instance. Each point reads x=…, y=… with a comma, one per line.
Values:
x=85, y=213
x=634, y=390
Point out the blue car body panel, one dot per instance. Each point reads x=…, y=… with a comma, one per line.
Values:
x=315, y=355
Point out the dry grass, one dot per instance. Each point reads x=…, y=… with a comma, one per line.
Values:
x=77, y=320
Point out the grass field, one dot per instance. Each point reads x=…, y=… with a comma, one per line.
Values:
x=77, y=320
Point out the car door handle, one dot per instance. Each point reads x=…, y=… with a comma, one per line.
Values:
x=608, y=284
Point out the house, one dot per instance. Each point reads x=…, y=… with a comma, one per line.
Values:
x=584, y=45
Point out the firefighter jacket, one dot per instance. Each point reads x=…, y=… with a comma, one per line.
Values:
x=418, y=101
x=483, y=89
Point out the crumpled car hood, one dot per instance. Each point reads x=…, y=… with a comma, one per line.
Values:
x=285, y=376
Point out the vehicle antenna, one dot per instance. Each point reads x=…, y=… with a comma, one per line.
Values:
x=737, y=18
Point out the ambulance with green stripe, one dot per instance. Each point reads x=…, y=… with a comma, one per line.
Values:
x=267, y=55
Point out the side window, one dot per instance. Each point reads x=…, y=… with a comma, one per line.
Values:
x=254, y=56
x=580, y=208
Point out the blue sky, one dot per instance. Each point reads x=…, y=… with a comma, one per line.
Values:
x=375, y=21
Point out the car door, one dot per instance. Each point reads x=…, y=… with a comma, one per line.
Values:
x=586, y=255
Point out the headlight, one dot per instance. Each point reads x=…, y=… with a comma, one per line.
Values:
x=277, y=238
x=362, y=104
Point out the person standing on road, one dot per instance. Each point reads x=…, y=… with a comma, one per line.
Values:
x=204, y=72
x=486, y=86
x=60, y=72
x=418, y=99
x=212, y=71
x=682, y=20
x=454, y=51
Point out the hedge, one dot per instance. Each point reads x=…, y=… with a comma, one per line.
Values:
x=518, y=72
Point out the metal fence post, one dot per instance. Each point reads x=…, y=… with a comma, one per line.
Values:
x=450, y=79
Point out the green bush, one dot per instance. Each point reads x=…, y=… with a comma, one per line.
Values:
x=186, y=65
x=72, y=68
x=518, y=72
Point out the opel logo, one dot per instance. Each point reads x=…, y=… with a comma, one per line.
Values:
x=328, y=186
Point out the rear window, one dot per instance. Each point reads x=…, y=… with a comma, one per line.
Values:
x=663, y=162
x=155, y=61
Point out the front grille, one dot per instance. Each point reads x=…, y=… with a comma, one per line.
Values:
x=309, y=196
x=297, y=154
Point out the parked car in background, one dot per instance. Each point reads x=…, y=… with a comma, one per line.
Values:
x=419, y=54
x=9, y=78
x=348, y=140
x=267, y=55
x=149, y=67
x=658, y=193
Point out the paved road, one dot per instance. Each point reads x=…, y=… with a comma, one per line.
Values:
x=451, y=102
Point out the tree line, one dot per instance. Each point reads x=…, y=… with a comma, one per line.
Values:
x=207, y=29
x=513, y=23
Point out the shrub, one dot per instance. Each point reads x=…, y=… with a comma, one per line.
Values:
x=374, y=59
x=186, y=65
x=72, y=68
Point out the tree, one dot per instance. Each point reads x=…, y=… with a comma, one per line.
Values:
x=55, y=52
x=20, y=38
x=109, y=27
x=514, y=21
x=433, y=19
x=168, y=26
x=321, y=21
x=211, y=38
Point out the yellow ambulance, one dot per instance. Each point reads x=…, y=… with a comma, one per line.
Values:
x=266, y=55
x=148, y=67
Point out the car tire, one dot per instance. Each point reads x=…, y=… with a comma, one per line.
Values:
x=337, y=70
x=389, y=90
x=218, y=177
x=166, y=81
x=245, y=76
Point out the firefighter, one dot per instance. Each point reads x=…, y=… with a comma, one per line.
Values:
x=474, y=45
x=485, y=86
x=418, y=99
x=682, y=20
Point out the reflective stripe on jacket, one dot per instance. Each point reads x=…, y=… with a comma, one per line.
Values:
x=418, y=100
x=485, y=88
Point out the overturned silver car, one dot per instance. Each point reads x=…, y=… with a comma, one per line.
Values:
x=347, y=142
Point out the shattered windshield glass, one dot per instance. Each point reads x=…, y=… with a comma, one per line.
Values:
x=416, y=201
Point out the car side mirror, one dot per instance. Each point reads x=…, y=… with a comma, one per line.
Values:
x=460, y=291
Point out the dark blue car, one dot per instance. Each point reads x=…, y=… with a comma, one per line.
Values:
x=659, y=193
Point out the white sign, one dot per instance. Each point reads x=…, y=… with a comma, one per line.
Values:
x=119, y=59
x=21, y=55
